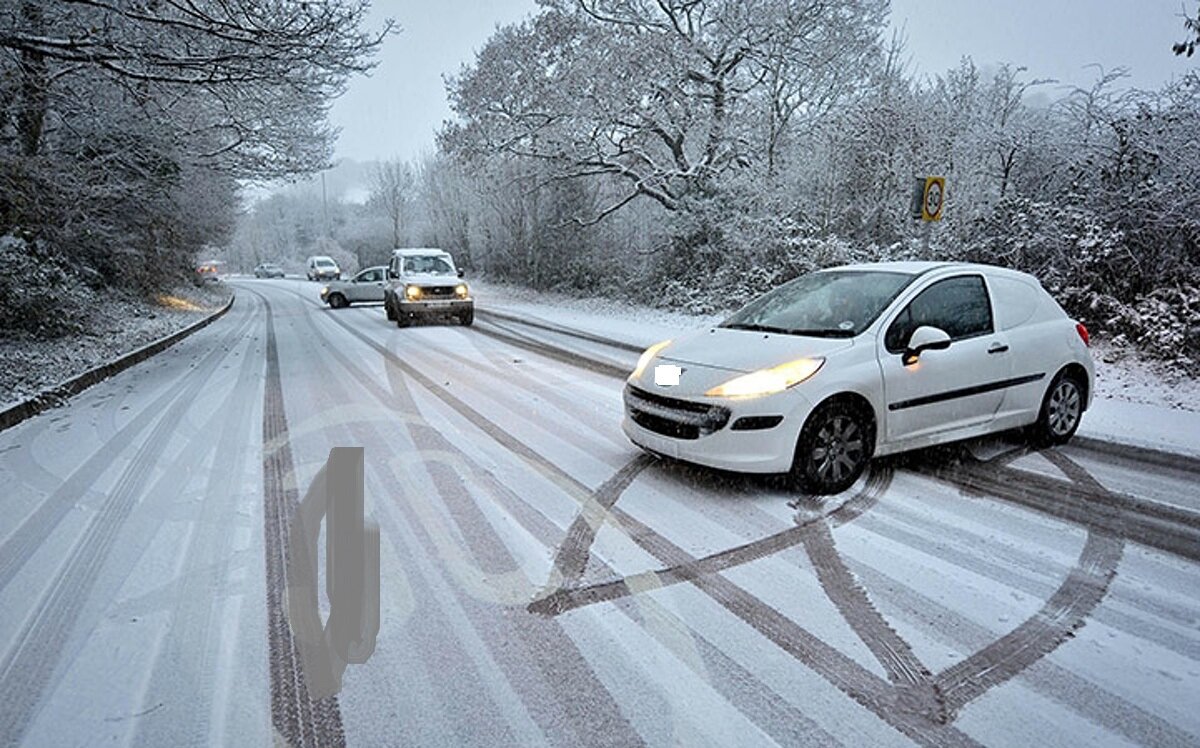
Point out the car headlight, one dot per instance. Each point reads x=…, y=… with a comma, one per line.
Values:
x=768, y=381
x=647, y=357
x=325, y=291
x=412, y=293
x=461, y=290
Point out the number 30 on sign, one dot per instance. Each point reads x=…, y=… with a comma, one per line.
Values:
x=929, y=197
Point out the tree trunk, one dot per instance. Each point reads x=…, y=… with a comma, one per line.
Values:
x=31, y=112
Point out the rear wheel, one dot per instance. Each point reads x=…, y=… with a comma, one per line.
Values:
x=833, y=449
x=1062, y=409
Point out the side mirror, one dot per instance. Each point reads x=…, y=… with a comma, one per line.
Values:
x=460, y=272
x=391, y=274
x=925, y=338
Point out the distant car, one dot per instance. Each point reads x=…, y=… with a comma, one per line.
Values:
x=209, y=272
x=322, y=268
x=368, y=285
x=268, y=270
x=821, y=373
x=425, y=283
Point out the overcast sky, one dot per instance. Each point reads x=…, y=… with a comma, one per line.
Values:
x=398, y=109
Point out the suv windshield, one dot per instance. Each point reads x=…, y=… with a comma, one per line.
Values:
x=431, y=264
x=833, y=304
x=325, y=263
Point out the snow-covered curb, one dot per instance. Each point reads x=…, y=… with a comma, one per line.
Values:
x=56, y=395
x=1134, y=405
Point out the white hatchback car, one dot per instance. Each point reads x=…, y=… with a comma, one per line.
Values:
x=821, y=373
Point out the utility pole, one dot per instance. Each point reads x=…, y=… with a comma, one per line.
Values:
x=325, y=206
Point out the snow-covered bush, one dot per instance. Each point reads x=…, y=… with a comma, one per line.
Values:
x=40, y=294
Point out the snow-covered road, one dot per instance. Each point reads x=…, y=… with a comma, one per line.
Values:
x=543, y=582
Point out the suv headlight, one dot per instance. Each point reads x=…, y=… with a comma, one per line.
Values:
x=461, y=290
x=768, y=381
x=412, y=293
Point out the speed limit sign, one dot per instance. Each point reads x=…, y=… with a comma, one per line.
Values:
x=933, y=198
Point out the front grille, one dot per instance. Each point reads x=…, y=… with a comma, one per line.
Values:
x=669, y=416
x=437, y=292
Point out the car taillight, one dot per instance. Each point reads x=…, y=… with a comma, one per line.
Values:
x=1083, y=334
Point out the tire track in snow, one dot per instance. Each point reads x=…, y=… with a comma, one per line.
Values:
x=557, y=685
x=29, y=536
x=28, y=666
x=299, y=719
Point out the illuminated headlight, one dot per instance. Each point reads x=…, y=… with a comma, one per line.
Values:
x=461, y=290
x=324, y=291
x=768, y=381
x=647, y=357
x=412, y=293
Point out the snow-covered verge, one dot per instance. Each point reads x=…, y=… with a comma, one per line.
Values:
x=113, y=327
x=1138, y=401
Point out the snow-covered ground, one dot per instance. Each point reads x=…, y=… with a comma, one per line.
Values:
x=113, y=329
x=1138, y=401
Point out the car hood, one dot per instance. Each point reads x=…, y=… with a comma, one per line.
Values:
x=715, y=356
x=744, y=351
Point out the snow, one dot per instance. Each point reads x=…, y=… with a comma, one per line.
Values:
x=1137, y=402
x=114, y=328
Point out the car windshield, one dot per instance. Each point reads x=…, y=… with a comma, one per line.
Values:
x=431, y=264
x=832, y=304
x=325, y=263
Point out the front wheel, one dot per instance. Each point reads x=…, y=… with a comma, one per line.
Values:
x=337, y=301
x=832, y=450
x=466, y=318
x=1062, y=409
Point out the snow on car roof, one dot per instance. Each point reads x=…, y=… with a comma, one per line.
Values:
x=411, y=251
x=914, y=267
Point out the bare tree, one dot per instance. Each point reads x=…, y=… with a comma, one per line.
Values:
x=257, y=72
x=393, y=189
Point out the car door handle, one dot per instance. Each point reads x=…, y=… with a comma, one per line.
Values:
x=998, y=348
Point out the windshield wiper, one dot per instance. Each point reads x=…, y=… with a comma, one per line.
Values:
x=831, y=333
x=755, y=328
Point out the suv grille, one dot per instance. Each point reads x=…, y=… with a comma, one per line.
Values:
x=681, y=419
x=437, y=292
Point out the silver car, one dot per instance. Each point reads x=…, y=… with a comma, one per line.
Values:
x=368, y=285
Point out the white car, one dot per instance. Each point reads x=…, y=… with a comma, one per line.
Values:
x=320, y=267
x=818, y=375
x=368, y=285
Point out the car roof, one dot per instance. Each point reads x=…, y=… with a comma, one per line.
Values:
x=915, y=267
x=418, y=252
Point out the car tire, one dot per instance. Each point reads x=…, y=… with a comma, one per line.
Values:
x=403, y=320
x=337, y=301
x=388, y=310
x=1061, y=411
x=466, y=318
x=833, y=449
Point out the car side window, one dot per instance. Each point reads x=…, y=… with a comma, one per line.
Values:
x=960, y=306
